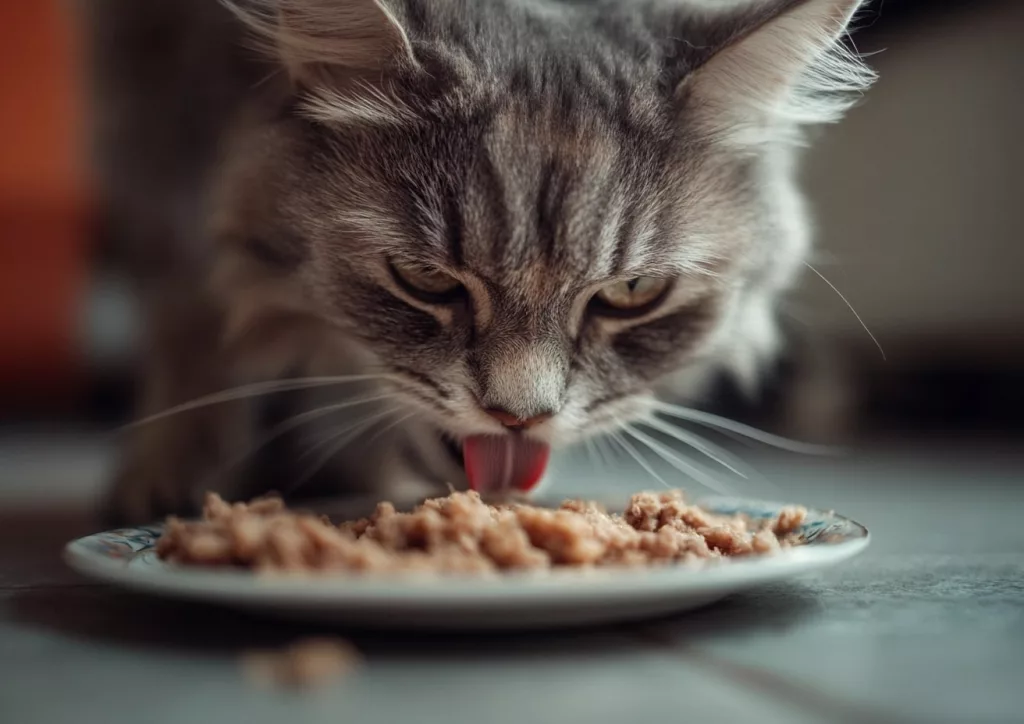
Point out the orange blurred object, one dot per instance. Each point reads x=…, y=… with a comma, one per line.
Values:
x=45, y=211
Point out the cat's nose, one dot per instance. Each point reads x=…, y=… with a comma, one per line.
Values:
x=514, y=422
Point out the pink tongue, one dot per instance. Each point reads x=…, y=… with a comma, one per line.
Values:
x=509, y=462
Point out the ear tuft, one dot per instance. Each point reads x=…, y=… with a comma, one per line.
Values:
x=355, y=35
x=788, y=70
x=337, y=51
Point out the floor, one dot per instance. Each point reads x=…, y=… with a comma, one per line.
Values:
x=927, y=626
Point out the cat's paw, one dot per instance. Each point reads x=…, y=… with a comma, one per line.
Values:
x=164, y=474
x=138, y=496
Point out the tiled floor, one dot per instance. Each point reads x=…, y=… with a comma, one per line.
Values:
x=927, y=626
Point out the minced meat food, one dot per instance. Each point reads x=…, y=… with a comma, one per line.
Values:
x=460, y=533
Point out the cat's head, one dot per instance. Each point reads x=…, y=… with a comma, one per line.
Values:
x=533, y=211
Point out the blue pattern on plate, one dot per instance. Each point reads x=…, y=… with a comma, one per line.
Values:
x=818, y=528
x=124, y=543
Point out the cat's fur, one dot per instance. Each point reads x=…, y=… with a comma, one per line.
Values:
x=261, y=164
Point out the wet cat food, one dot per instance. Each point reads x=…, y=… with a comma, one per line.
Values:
x=460, y=533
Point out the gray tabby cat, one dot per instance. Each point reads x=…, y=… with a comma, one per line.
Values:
x=514, y=223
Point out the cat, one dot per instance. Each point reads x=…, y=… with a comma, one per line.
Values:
x=474, y=228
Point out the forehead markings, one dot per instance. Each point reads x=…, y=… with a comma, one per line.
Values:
x=551, y=191
x=619, y=244
x=574, y=202
x=637, y=239
x=562, y=190
x=604, y=245
x=486, y=224
x=453, y=229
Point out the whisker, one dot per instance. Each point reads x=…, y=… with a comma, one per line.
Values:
x=614, y=457
x=588, y=446
x=292, y=423
x=850, y=306
x=639, y=458
x=745, y=470
x=720, y=455
x=390, y=425
x=697, y=473
x=253, y=390
x=603, y=458
x=744, y=431
x=604, y=451
x=335, y=446
x=354, y=429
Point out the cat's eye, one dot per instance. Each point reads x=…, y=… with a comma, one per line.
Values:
x=632, y=297
x=427, y=284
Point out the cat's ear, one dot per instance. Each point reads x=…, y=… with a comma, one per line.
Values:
x=783, y=65
x=318, y=40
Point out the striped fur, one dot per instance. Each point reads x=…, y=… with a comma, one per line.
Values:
x=534, y=150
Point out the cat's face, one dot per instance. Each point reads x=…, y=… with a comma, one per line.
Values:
x=542, y=231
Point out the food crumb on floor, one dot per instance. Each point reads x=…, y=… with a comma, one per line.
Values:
x=305, y=664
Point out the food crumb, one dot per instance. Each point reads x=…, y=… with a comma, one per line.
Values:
x=306, y=664
x=789, y=520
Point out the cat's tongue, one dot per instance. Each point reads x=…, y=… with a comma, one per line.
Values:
x=506, y=463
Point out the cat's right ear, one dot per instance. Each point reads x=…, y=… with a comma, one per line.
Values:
x=772, y=66
x=324, y=42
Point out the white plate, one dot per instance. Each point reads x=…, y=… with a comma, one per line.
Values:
x=559, y=598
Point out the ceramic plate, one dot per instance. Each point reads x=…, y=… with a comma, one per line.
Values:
x=127, y=558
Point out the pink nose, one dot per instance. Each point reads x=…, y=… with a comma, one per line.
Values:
x=513, y=422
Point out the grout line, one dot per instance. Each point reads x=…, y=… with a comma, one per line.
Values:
x=46, y=586
x=776, y=686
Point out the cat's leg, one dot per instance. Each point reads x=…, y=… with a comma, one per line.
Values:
x=167, y=462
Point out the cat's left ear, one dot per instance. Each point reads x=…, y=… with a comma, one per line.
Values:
x=313, y=36
x=341, y=54
x=782, y=65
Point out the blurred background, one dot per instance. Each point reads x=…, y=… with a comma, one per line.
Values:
x=918, y=203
